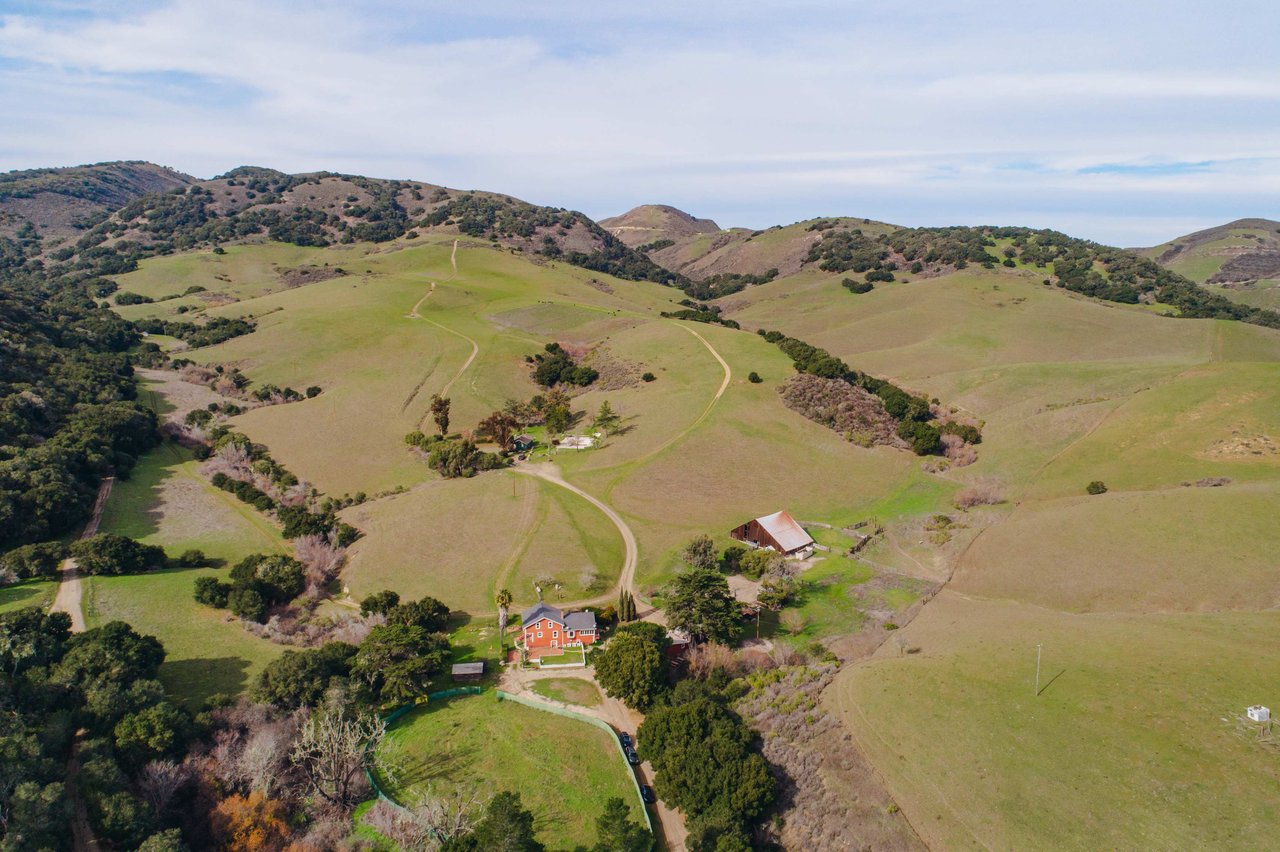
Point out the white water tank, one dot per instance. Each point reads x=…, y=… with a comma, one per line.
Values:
x=1258, y=713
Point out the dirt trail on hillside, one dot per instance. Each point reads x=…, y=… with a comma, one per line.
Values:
x=618, y=716
x=70, y=591
x=414, y=313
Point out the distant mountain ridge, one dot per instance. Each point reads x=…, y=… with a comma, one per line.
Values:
x=60, y=202
x=702, y=250
x=1243, y=251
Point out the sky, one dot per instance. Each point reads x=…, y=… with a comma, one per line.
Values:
x=1127, y=121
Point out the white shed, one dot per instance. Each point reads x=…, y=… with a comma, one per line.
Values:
x=1258, y=713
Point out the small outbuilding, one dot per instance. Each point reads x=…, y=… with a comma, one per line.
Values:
x=468, y=672
x=523, y=443
x=779, y=532
x=1258, y=713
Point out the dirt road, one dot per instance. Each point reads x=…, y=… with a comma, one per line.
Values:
x=68, y=598
x=668, y=821
x=627, y=579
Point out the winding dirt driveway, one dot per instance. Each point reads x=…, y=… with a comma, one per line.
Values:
x=627, y=579
x=70, y=591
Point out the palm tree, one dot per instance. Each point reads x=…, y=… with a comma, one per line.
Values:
x=503, y=600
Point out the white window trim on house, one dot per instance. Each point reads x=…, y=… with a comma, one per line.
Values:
x=539, y=634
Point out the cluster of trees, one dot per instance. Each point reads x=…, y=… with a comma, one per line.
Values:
x=257, y=582
x=707, y=763
x=246, y=491
x=102, y=684
x=68, y=402
x=454, y=457
x=702, y=313
x=392, y=665
x=212, y=331
x=554, y=366
x=111, y=554
x=913, y=413
x=855, y=286
x=255, y=471
x=726, y=283
x=31, y=561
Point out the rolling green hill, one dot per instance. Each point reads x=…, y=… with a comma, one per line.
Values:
x=1152, y=602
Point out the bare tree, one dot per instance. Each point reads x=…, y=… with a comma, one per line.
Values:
x=158, y=781
x=450, y=816
x=333, y=752
x=264, y=758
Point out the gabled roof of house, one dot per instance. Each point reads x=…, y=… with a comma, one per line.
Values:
x=539, y=611
x=583, y=620
x=785, y=531
x=468, y=668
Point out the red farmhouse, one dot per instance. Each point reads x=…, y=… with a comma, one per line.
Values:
x=546, y=629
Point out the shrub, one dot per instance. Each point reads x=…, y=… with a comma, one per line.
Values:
x=979, y=494
x=192, y=559
x=246, y=603
x=648, y=377
x=211, y=591
x=855, y=286
x=754, y=377
x=1096, y=487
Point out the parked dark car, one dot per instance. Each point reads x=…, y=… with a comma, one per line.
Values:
x=632, y=757
x=646, y=793
x=625, y=739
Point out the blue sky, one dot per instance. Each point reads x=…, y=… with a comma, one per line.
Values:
x=1125, y=122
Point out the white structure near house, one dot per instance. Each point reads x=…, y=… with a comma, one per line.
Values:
x=1258, y=713
x=576, y=442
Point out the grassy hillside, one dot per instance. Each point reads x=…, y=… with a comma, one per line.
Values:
x=1136, y=592
x=1239, y=251
x=1147, y=598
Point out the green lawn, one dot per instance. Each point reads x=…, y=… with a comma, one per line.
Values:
x=569, y=690
x=166, y=501
x=564, y=770
x=27, y=593
x=570, y=655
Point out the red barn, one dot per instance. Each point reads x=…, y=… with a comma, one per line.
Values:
x=778, y=531
x=546, y=629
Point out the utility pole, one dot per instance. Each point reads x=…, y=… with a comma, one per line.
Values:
x=1038, y=647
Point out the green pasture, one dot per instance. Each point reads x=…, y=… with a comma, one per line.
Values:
x=460, y=540
x=563, y=769
x=1135, y=741
x=25, y=593
x=166, y=501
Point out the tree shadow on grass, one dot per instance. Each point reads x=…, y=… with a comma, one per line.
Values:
x=450, y=766
x=23, y=594
x=198, y=679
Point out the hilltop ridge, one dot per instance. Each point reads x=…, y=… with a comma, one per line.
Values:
x=60, y=202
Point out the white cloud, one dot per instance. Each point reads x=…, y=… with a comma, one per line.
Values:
x=763, y=111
